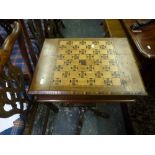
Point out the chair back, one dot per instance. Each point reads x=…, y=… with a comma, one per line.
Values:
x=22, y=43
x=13, y=98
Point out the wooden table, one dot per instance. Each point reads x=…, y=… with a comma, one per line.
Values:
x=144, y=38
x=144, y=41
x=86, y=71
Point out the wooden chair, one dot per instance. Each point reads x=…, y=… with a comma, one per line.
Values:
x=35, y=31
x=23, y=49
x=52, y=28
x=30, y=41
x=13, y=97
x=22, y=36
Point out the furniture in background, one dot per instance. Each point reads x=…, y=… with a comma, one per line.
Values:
x=142, y=38
x=113, y=28
x=53, y=28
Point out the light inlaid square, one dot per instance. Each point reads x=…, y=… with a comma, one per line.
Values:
x=60, y=62
x=107, y=74
x=82, y=56
x=111, y=56
x=113, y=68
x=116, y=81
x=99, y=81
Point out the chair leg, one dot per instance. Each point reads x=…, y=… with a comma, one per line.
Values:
x=49, y=107
x=81, y=117
x=30, y=119
x=45, y=121
x=99, y=113
x=52, y=107
x=62, y=24
x=81, y=120
x=58, y=23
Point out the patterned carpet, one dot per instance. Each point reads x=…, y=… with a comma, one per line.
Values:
x=142, y=114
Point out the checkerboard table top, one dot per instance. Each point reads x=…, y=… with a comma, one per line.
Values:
x=87, y=66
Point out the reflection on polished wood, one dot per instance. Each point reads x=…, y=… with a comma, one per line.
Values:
x=86, y=70
x=142, y=38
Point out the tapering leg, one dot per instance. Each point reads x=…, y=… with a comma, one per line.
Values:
x=99, y=113
x=81, y=119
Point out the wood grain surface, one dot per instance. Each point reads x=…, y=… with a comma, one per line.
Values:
x=130, y=79
x=143, y=38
